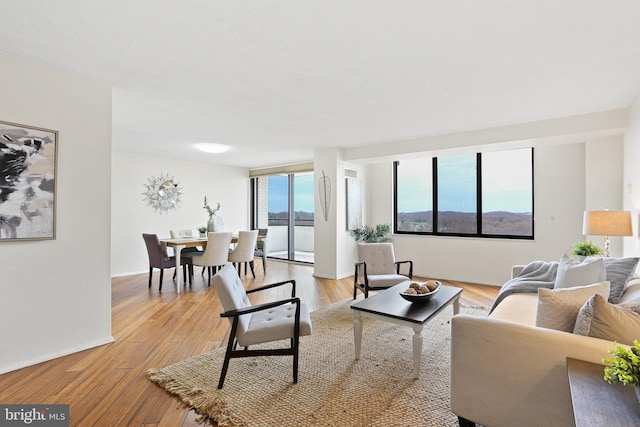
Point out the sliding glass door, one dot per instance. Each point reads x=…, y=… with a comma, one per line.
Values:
x=283, y=203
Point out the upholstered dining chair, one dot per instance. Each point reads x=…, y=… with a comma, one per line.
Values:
x=244, y=251
x=215, y=254
x=186, y=234
x=261, y=248
x=286, y=319
x=159, y=259
x=378, y=269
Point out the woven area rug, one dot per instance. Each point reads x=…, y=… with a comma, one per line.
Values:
x=333, y=388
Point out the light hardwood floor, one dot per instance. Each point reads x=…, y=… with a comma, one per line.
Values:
x=106, y=386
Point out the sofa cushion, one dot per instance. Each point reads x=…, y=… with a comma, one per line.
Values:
x=618, y=272
x=558, y=308
x=517, y=308
x=600, y=319
x=631, y=291
x=572, y=272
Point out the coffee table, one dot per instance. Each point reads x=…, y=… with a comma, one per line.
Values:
x=389, y=306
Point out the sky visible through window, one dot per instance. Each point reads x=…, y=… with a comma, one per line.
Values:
x=506, y=177
x=303, y=193
x=506, y=181
x=457, y=183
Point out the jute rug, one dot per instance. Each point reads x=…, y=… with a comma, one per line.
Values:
x=333, y=388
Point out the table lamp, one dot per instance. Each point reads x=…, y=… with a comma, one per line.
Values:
x=607, y=223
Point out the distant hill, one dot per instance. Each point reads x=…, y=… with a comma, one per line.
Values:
x=502, y=223
x=302, y=218
x=499, y=222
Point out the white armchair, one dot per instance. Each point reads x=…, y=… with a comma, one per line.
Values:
x=377, y=268
x=286, y=319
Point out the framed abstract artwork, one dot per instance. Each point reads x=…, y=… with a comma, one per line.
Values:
x=28, y=163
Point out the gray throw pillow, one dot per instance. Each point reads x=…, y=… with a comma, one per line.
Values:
x=618, y=272
x=572, y=272
x=599, y=319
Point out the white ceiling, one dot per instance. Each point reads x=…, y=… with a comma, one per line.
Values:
x=277, y=79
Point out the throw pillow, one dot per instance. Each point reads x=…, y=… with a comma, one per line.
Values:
x=558, y=308
x=618, y=272
x=599, y=319
x=572, y=272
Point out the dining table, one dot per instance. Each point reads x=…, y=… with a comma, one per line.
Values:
x=189, y=242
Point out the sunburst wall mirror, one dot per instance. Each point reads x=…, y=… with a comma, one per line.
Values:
x=162, y=193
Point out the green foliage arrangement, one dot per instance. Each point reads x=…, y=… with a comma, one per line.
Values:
x=587, y=248
x=372, y=235
x=625, y=366
x=202, y=229
x=210, y=211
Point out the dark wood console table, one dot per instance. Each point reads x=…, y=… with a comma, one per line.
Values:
x=598, y=403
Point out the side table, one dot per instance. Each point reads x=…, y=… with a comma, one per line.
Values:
x=598, y=403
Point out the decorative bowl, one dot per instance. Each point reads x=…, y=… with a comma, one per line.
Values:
x=421, y=297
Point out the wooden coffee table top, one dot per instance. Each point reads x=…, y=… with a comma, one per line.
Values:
x=389, y=303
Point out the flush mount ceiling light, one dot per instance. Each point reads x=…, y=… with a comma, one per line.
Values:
x=209, y=147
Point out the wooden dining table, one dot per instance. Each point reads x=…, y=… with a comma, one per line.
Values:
x=179, y=244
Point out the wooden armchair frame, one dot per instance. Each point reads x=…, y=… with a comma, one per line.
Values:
x=233, y=352
x=363, y=285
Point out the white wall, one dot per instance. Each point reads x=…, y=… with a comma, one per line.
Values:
x=55, y=295
x=327, y=248
x=631, y=180
x=335, y=250
x=559, y=203
x=604, y=183
x=131, y=216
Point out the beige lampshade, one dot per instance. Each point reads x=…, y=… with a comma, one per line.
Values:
x=607, y=223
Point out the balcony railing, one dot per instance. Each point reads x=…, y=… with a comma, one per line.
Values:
x=278, y=238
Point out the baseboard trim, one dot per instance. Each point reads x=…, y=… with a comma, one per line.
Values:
x=51, y=356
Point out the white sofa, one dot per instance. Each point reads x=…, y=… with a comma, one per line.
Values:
x=507, y=372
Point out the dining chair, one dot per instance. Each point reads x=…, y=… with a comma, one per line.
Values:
x=186, y=234
x=377, y=268
x=244, y=251
x=286, y=319
x=261, y=247
x=159, y=259
x=215, y=253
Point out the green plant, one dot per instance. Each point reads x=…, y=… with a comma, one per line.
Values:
x=210, y=211
x=202, y=229
x=370, y=234
x=625, y=366
x=587, y=248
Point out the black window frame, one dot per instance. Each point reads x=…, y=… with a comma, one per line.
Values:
x=479, y=233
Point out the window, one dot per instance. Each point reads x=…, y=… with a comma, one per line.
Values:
x=283, y=202
x=507, y=193
x=478, y=195
x=414, y=196
x=278, y=200
x=457, y=194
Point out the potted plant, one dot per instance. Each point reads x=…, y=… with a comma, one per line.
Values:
x=624, y=367
x=586, y=248
x=203, y=231
x=370, y=234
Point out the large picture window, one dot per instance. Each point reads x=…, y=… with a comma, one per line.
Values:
x=479, y=195
x=414, y=196
x=457, y=200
